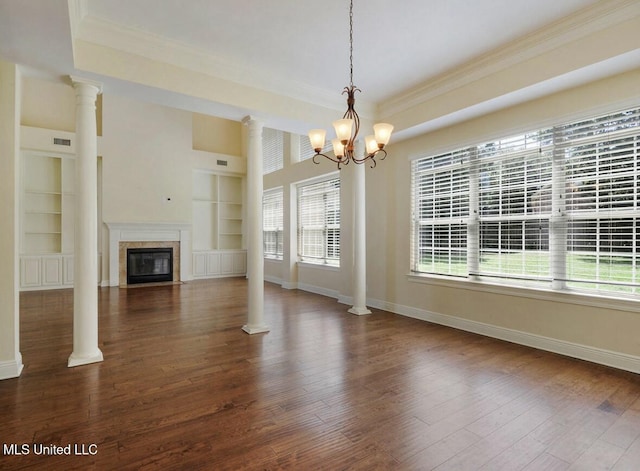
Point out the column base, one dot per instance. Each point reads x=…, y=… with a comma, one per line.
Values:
x=359, y=311
x=12, y=368
x=77, y=360
x=255, y=329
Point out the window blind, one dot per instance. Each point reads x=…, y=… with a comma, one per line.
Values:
x=272, y=150
x=273, y=222
x=514, y=205
x=601, y=158
x=557, y=205
x=440, y=212
x=319, y=222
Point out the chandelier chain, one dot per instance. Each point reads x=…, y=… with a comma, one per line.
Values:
x=351, y=43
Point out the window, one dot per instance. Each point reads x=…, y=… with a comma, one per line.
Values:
x=272, y=219
x=319, y=222
x=553, y=207
x=272, y=150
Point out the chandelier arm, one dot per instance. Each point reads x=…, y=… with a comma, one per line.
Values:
x=340, y=162
x=365, y=158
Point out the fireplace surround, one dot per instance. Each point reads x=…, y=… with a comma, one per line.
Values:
x=123, y=236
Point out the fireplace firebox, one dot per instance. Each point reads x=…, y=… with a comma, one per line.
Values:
x=149, y=265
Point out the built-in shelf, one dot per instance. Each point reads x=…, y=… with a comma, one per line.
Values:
x=217, y=226
x=217, y=211
x=46, y=226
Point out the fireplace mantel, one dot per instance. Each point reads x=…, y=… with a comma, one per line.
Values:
x=146, y=232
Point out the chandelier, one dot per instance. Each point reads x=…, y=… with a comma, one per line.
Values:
x=348, y=127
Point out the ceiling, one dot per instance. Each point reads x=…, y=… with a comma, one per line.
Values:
x=404, y=51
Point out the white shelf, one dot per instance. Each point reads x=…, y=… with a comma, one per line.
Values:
x=217, y=211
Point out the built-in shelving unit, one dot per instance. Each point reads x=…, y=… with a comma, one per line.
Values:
x=217, y=225
x=46, y=242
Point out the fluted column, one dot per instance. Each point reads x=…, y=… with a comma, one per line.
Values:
x=359, y=239
x=255, y=250
x=85, y=292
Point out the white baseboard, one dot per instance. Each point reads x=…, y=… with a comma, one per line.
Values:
x=273, y=279
x=11, y=368
x=318, y=290
x=583, y=352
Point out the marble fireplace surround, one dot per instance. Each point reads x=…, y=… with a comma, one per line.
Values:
x=130, y=235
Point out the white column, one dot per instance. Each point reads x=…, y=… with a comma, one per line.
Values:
x=255, y=250
x=10, y=357
x=359, y=238
x=85, y=292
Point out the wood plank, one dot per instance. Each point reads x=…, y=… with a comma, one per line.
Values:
x=183, y=387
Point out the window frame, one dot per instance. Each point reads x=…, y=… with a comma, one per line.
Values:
x=273, y=213
x=319, y=230
x=272, y=150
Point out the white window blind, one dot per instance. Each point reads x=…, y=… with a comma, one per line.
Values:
x=601, y=157
x=272, y=150
x=440, y=212
x=557, y=206
x=319, y=222
x=514, y=183
x=273, y=222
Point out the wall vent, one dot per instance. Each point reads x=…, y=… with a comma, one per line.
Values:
x=61, y=142
x=222, y=163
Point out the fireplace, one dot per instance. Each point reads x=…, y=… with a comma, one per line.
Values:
x=151, y=262
x=149, y=265
x=125, y=235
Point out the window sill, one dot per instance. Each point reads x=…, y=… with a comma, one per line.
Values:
x=564, y=296
x=321, y=266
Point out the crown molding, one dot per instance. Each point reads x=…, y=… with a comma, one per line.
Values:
x=155, y=47
x=574, y=27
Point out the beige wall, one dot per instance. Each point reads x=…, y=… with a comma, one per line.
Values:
x=586, y=321
x=217, y=135
x=586, y=326
x=141, y=140
x=49, y=105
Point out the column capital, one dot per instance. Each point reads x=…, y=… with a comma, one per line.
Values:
x=78, y=81
x=251, y=120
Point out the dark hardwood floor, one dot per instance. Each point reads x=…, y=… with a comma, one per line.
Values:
x=183, y=387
